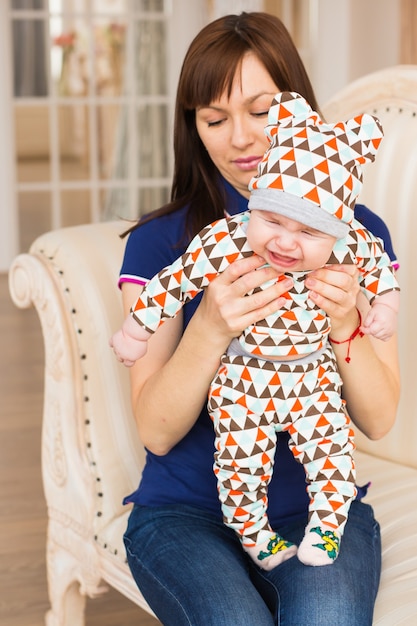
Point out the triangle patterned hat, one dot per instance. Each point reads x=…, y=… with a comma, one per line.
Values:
x=312, y=171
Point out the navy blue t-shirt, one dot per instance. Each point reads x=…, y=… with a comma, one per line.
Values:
x=185, y=475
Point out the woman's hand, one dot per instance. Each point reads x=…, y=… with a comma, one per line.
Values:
x=229, y=305
x=371, y=380
x=335, y=289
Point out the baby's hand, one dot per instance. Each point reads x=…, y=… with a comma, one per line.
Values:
x=130, y=342
x=381, y=322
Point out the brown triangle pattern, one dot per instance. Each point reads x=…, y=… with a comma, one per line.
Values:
x=239, y=407
x=305, y=154
x=299, y=327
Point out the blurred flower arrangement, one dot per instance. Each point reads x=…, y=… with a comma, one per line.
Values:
x=110, y=50
x=109, y=47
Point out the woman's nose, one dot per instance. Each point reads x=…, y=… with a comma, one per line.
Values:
x=241, y=134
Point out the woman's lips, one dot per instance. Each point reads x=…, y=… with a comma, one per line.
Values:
x=248, y=163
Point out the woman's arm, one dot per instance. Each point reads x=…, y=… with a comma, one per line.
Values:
x=169, y=385
x=371, y=379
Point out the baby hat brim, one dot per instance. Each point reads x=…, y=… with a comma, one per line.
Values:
x=298, y=209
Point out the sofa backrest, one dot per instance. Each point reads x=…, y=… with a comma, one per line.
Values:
x=390, y=189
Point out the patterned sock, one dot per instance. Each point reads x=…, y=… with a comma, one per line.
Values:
x=320, y=545
x=271, y=552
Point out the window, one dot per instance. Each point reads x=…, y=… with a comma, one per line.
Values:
x=91, y=110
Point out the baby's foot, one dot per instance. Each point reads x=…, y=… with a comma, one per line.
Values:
x=272, y=552
x=320, y=545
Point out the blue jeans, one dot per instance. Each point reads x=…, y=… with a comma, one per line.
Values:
x=192, y=570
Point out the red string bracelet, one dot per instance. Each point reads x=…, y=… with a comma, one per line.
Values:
x=355, y=333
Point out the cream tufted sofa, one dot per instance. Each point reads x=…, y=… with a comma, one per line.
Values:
x=90, y=450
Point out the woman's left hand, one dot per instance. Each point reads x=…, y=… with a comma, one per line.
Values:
x=335, y=289
x=371, y=381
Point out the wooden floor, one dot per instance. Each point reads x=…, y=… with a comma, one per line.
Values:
x=23, y=587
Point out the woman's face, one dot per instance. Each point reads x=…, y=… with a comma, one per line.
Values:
x=232, y=129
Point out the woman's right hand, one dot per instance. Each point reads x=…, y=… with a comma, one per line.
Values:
x=169, y=385
x=229, y=303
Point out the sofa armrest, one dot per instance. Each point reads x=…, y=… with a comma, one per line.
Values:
x=91, y=454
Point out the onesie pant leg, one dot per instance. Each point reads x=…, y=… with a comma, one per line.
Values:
x=249, y=401
x=322, y=440
x=245, y=426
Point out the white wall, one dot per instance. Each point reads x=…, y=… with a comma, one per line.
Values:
x=352, y=38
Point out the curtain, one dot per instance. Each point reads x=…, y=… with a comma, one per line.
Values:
x=30, y=54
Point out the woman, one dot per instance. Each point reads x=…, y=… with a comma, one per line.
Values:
x=189, y=566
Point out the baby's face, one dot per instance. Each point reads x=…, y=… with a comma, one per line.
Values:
x=287, y=245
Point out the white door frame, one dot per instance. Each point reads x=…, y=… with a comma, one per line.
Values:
x=8, y=210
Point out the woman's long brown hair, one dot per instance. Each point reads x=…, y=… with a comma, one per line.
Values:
x=208, y=71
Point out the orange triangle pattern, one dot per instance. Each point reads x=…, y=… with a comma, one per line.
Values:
x=246, y=418
x=314, y=160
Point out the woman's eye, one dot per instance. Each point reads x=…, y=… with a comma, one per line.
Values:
x=260, y=114
x=214, y=123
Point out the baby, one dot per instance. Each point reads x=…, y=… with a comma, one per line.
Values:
x=281, y=373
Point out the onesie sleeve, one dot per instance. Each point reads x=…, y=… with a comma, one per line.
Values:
x=376, y=225
x=208, y=254
x=376, y=273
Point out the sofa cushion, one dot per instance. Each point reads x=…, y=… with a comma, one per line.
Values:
x=393, y=495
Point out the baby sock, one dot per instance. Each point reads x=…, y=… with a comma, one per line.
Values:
x=320, y=545
x=272, y=552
